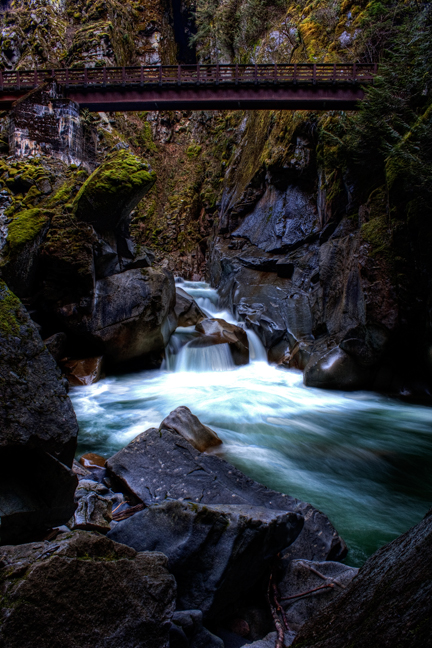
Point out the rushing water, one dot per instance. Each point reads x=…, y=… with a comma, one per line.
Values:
x=363, y=459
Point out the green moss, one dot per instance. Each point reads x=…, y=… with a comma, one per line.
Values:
x=10, y=307
x=193, y=151
x=25, y=227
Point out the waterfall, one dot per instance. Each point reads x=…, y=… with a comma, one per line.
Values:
x=257, y=352
x=216, y=357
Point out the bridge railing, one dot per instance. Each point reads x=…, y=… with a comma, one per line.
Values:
x=191, y=74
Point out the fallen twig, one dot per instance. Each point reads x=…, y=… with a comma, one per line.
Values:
x=279, y=607
x=311, y=591
x=278, y=625
x=123, y=515
x=326, y=578
x=118, y=506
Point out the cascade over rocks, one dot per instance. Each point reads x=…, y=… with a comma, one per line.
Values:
x=217, y=331
x=159, y=465
x=217, y=553
x=38, y=431
x=84, y=591
x=387, y=604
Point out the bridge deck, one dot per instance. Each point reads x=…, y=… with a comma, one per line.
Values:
x=194, y=87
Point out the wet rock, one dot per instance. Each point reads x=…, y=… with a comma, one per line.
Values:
x=39, y=428
x=83, y=372
x=56, y=345
x=304, y=575
x=193, y=631
x=80, y=471
x=336, y=370
x=217, y=331
x=93, y=513
x=159, y=465
x=113, y=190
x=182, y=421
x=217, y=553
x=187, y=311
x=387, y=604
x=45, y=123
x=84, y=590
x=92, y=460
x=132, y=316
x=105, y=259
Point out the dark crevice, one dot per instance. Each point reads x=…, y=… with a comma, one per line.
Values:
x=183, y=24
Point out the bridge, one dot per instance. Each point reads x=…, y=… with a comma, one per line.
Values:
x=200, y=87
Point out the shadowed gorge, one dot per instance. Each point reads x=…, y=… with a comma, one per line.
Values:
x=215, y=323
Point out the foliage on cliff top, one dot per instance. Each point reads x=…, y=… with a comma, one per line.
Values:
x=249, y=31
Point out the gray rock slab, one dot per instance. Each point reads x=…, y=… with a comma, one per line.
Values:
x=159, y=465
x=217, y=553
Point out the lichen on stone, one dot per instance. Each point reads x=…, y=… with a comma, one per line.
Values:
x=9, y=311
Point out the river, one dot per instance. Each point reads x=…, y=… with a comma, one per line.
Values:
x=363, y=459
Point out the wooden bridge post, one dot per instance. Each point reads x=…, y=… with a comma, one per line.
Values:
x=123, y=76
x=334, y=72
x=142, y=76
x=85, y=77
x=314, y=74
x=275, y=73
x=198, y=73
x=160, y=75
x=35, y=79
x=354, y=72
x=295, y=73
x=18, y=80
x=217, y=73
x=236, y=74
x=67, y=77
x=1, y=80
x=256, y=74
x=178, y=74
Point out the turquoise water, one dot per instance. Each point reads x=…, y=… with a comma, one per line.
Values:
x=363, y=459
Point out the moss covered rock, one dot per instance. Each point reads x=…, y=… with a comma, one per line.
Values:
x=113, y=190
x=84, y=590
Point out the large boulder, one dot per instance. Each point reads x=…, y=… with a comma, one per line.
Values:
x=336, y=370
x=38, y=432
x=113, y=190
x=84, y=591
x=217, y=553
x=187, y=310
x=159, y=465
x=182, y=421
x=388, y=604
x=217, y=331
x=132, y=315
x=35, y=410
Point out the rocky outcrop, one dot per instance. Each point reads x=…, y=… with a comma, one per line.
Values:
x=217, y=553
x=83, y=590
x=38, y=430
x=217, y=331
x=83, y=372
x=387, y=604
x=187, y=631
x=132, y=316
x=183, y=422
x=46, y=123
x=113, y=190
x=159, y=465
x=187, y=310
